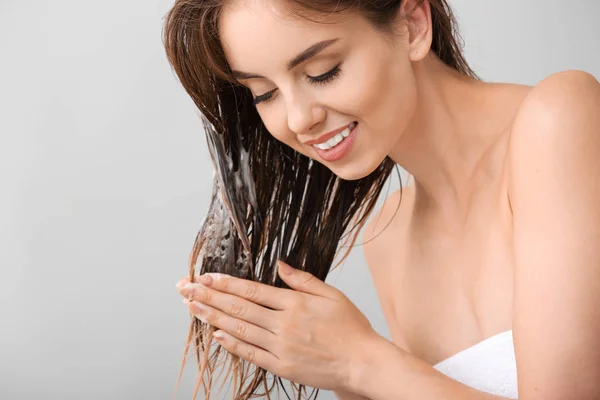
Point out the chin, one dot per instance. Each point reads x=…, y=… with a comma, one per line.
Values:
x=356, y=169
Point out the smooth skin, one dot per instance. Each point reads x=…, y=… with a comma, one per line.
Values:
x=500, y=230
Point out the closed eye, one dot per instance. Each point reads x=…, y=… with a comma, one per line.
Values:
x=321, y=79
x=264, y=97
x=327, y=76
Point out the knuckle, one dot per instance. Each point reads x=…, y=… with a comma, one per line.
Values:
x=203, y=296
x=237, y=309
x=278, y=327
x=191, y=294
x=241, y=330
x=212, y=318
x=309, y=279
x=251, y=292
x=235, y=346
x=296, y=303
x=223, y=283
x=285, y=327
x=283, y=348
x=250, y=354
x=290, y=302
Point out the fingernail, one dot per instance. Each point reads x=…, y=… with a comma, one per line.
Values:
x=187, y=290
x=285, y=268
x=206, y=279
x=199, y=310
x=196, y=314
x=198, y=307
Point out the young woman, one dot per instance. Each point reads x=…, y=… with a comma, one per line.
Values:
x=487, y=266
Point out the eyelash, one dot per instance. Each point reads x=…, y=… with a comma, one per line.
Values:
x=321, y=79
x=327, y=76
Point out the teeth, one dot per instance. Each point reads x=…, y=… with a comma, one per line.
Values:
x=334, y=141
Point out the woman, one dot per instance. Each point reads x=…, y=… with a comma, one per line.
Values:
x=491, y=255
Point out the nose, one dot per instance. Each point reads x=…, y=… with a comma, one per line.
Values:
x=304, y=114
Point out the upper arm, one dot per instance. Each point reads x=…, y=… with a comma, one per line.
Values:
x=554, y=189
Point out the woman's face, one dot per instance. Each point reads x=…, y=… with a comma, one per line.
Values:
x=357, y=74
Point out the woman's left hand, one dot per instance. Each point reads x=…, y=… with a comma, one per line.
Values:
x=312, y=335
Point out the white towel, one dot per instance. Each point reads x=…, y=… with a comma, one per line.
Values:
x=488, y=366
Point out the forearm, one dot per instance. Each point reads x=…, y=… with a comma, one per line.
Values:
x=344, y=395
x=349, y=396
x=389, y=373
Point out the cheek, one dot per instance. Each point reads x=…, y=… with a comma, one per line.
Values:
x=384, y=98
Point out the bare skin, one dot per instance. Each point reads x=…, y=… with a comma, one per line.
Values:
x=434, y=272
x=428, y=290
x=482, y=240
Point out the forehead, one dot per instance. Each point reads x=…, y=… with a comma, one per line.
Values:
x=261, y=34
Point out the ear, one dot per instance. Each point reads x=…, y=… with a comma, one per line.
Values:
x=417, y=14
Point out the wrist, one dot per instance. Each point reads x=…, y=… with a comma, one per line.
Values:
x=369, y=362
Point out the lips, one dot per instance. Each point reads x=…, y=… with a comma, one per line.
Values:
x=337, y=139
x=340, y=150
x=324, y=138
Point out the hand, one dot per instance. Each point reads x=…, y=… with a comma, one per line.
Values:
x=312, y=335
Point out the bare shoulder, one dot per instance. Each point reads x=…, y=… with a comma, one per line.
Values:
x=558, y=115
x=563, y=97
x=566, y=83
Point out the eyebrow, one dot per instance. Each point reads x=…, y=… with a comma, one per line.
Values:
x=300, y=58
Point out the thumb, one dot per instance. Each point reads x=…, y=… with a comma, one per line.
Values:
x=302, y=281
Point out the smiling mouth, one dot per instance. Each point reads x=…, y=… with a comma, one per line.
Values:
x=337, y=139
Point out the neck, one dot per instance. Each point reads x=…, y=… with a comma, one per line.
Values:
x=445, y=142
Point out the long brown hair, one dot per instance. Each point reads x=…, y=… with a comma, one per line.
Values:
x=270, y=202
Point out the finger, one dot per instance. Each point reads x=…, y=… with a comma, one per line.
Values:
x=303, y=281
x=256, y=292
x=242, y=330
x=182, y=282
x=232, y=305
x=252, y=354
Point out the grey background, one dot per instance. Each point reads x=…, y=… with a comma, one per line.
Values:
x=104, y=180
